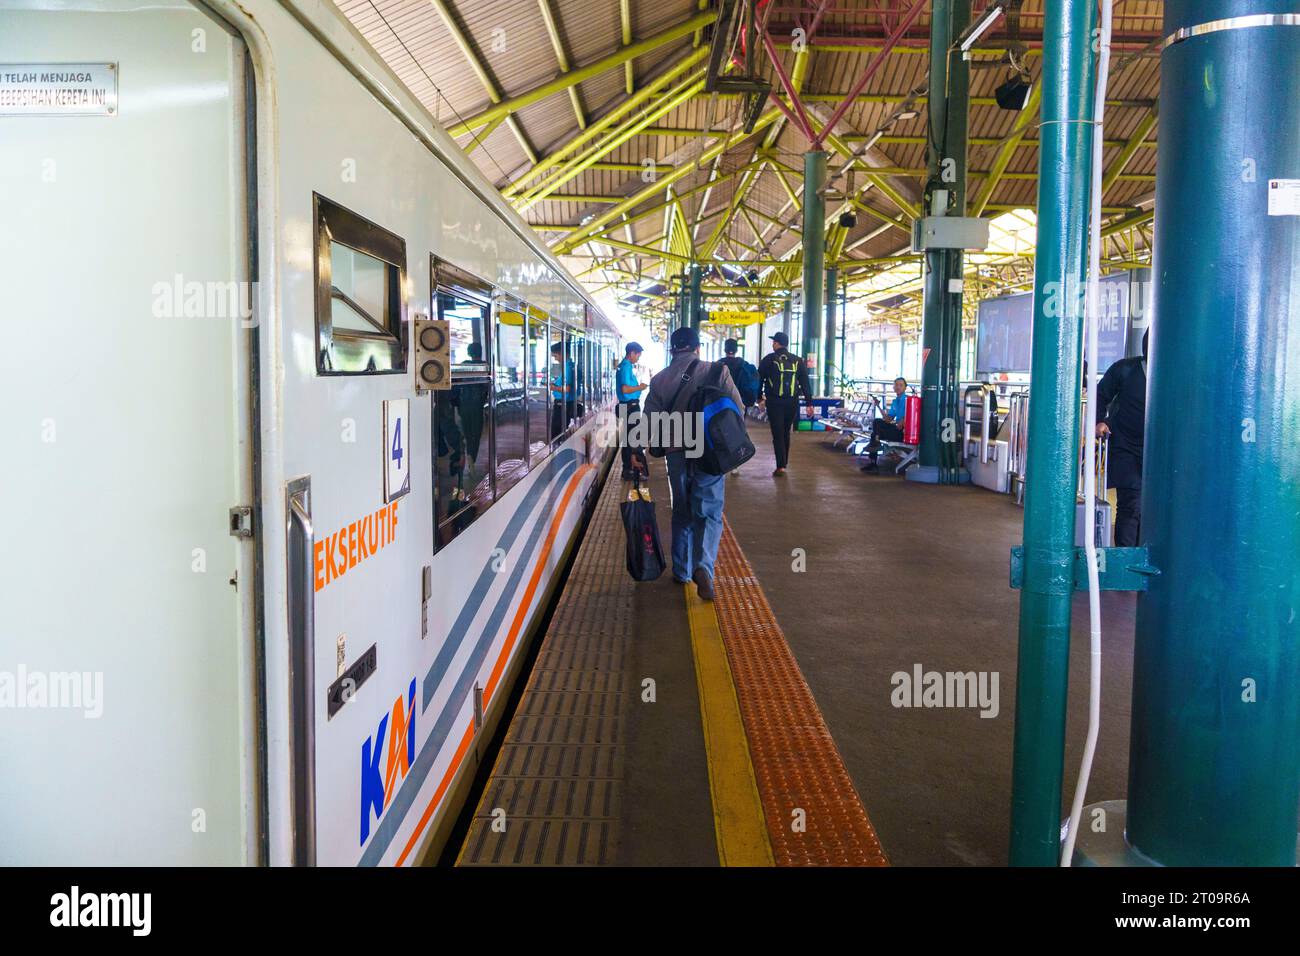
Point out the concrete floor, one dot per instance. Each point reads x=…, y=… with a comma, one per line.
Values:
x=667, y=806
x=899, y=574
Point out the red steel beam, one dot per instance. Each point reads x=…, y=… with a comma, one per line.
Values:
x=817, y=18
x=908, y=19
x=801, y=120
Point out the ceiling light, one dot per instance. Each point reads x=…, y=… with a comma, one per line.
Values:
x=970, y=36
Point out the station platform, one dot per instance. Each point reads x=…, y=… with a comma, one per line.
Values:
x=766, y=728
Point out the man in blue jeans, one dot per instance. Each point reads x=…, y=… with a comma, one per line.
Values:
x=697, y=497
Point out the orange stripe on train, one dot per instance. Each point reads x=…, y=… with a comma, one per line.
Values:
x=515, y=626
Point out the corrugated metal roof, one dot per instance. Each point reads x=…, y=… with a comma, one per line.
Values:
x=511, y=44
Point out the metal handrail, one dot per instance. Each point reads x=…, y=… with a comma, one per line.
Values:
x=300, y=543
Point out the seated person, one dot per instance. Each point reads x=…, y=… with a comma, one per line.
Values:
x=889, y=427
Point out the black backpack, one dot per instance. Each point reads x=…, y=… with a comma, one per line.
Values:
x=726, y=440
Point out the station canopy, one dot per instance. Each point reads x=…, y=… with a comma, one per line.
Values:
x=593, y=119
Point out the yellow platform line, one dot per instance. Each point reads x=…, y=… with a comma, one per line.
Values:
x=738, y=817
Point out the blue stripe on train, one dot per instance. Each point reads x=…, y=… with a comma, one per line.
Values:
x=551, y=481
x=487, y=576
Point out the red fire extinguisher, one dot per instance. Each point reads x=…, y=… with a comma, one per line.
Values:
x=912, y=420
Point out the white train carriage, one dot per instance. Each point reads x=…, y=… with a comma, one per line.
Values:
x=263, y=600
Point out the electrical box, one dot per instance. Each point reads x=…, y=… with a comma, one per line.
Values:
x=949, y=232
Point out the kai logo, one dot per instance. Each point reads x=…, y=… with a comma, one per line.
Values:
x=377, y=787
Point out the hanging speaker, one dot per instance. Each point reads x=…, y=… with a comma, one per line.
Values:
x=432, y=355
x=1013, y=94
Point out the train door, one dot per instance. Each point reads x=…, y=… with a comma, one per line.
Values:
x=127, y=696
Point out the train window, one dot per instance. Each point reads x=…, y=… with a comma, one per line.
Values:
x=462, y=421
x=580, y=398
x=608, y=370
x=539, y=392
x=509, y=409
x=360, y=271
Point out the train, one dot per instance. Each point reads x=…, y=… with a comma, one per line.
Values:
x=272, y=594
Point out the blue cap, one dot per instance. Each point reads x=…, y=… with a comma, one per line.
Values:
x=632, y=347
x=685, y=339
x=780, y=338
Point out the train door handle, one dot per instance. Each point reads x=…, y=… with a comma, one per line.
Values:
x=300, y=544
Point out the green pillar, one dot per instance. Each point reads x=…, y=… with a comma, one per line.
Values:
x=814, y=254
x=939, y=458
x=1214, y=758
x=787, y=314
x=844, y=321
x=695, y=304
x=1042, y=675
x=831, y=364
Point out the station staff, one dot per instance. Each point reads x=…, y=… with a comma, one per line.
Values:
x=1121, y=414
x=629, y=408
x=564, y=399
x=784, y=375
x=888, y=427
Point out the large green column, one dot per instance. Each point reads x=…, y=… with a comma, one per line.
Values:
x=831, y=362
x=814, y=253
x=1042, y=674
x=1214, y=759
x=939, y=457
x=695, y=303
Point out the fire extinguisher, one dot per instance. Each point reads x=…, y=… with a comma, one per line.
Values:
x=912, y=420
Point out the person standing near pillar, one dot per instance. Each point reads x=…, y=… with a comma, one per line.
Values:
x=1122, y=414
x=784, y=376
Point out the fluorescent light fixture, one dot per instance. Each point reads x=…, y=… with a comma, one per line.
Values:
x=970, y=36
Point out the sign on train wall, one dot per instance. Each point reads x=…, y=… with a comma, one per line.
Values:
x=58, y=89
x=1006, y=324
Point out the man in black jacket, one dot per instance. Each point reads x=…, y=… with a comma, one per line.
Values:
x=1121, y=414
x=784, y=375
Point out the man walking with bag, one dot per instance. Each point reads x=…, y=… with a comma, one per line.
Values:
x=698, y=496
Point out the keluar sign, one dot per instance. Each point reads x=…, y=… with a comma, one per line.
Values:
x=736, y=318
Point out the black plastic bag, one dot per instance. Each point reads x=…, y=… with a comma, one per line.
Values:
x=645, y=555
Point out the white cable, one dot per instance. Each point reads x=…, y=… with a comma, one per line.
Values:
x=1092, y=317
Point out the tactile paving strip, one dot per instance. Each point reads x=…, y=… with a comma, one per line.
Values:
x=796, y=763
x=555, y=793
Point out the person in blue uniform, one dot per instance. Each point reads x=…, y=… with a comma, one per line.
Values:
x=1121, y=414
x=889, y=427
x=564, y=397
x=629, y=410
